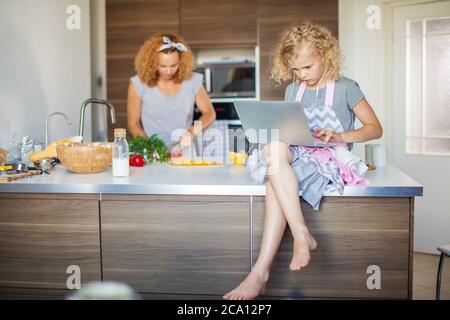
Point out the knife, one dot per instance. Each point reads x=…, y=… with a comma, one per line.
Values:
x=175, y=149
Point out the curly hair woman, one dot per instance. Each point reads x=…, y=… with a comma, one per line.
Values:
x=308, y=55
x=161, y=96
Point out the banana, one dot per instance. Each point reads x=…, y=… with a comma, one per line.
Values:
x=50, y=151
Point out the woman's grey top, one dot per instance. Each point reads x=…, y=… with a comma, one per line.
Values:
x=167, y=115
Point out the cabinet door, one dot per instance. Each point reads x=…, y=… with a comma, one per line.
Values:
x=353, y=234
x=274, y=16
x=41, y=236
x=128, y=24
x=176, y=245
x=218, y=22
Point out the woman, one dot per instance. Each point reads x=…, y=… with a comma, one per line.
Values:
x=161, y=96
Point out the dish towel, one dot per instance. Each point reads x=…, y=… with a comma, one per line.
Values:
x=318, y=170
x=352, y=168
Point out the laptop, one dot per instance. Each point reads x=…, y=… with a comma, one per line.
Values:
x=260, y=119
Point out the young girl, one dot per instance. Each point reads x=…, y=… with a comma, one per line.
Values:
x=310, y=56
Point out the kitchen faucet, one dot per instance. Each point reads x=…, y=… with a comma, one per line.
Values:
x=97, y=101
x=69, y=123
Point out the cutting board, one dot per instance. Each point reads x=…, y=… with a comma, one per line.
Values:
x=194, y=163
x=17, y=176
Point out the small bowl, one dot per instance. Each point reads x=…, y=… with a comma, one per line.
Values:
x=21, y=167
x=105, y=291
x=44, y=165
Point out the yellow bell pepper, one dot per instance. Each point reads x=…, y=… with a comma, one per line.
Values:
x=238, y=159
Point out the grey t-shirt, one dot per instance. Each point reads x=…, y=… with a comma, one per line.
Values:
x=163, y=114
x=347, y=94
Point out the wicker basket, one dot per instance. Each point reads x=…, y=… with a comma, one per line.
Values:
x=85, y=157
x=3, y=156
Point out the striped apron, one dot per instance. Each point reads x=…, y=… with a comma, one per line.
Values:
x=322, y=117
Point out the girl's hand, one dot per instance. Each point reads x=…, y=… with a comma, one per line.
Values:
x=328, y=135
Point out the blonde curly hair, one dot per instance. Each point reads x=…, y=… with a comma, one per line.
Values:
x=146, y=62
x=306, y=32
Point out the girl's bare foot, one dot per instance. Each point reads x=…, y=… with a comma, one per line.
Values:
x=252, y=286
x=303, y=244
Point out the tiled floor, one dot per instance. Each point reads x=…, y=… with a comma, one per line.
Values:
x=424, y=278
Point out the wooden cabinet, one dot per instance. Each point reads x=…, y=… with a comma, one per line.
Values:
x=274, y=16
x=42, y=235
x=183, y=245
x=352, y=234
x=202, y=245
x=219, y=22
x=203, y=23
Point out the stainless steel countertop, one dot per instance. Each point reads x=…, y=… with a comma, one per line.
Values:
x=221, y=180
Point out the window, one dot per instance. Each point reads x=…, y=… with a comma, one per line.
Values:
x=428, y=86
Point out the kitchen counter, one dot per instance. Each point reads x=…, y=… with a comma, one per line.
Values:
x=137, y=229
x=220, y=180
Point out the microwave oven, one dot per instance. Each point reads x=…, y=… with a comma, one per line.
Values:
x=229, y=79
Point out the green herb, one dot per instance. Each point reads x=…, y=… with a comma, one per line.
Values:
x=146, y=147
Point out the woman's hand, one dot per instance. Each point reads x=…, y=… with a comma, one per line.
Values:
x=328, y=135
x=186, y=139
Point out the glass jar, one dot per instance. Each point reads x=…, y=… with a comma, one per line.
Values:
x=19, y=149
x=120, y=154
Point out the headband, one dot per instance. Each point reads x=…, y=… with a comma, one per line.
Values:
x=168, y=44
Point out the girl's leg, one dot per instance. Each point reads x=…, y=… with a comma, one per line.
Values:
x=274, y=226
x=285, y=186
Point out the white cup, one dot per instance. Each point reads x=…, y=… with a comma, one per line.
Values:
x=376, y=155
x=380, y=156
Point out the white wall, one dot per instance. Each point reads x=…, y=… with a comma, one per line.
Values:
x=366, y=56
x=45, y=67
x=432, y=218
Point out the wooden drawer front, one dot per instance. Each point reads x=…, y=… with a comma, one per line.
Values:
x=176, y=247
x=351, y=237
x=42, y=238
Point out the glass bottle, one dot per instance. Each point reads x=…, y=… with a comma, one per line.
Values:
x=120, y=154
